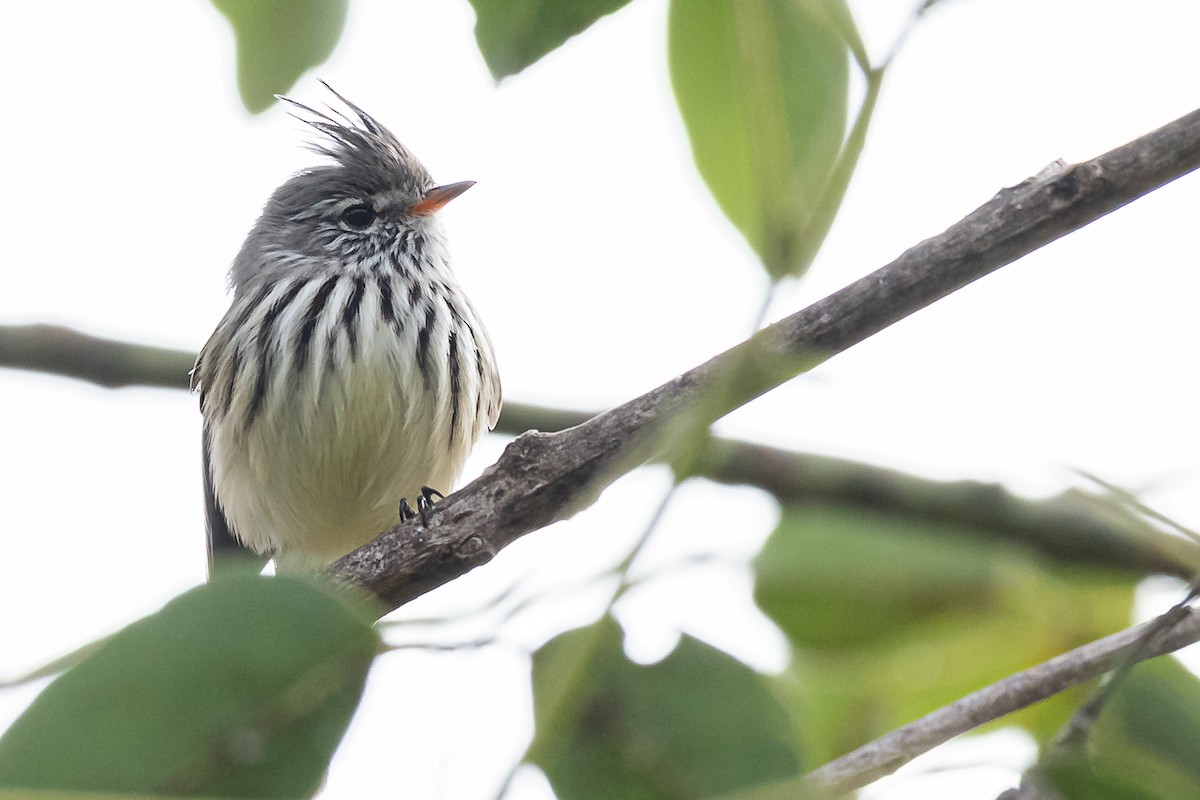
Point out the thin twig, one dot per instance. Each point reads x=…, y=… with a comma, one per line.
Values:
x=1072, y=739
x=892, y=751
x=1078, y=728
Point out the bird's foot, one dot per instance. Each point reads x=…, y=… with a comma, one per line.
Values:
x=424, y=505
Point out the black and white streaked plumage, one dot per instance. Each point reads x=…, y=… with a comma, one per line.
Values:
x=350, y=370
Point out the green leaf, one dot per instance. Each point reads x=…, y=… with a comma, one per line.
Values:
x=892, y=619
x=243, y=688
x=277, y=40
x=698, y=723
x=837, y=578
x=512, y=34
x=762, y=87
x=1075, y=779
x=1146, y=742
x=1157, y=710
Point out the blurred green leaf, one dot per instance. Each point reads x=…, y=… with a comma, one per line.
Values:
x=762, y=87
x=277, y=40
x=512, y=34
x=840, y=578
x=1157, y=711
x=836, y=14
x=1075, y=779
x=698, y=723
x=1146, y=742
x=243, y=688
x=892, y=619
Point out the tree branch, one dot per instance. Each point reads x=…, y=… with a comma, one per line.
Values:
x=1074, y=527
x=542, y=478
x=890, y=752
x=107, y=362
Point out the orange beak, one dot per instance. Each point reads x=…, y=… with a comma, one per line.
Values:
x=438, y=196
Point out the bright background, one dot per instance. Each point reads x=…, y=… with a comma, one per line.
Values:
x=602, y=268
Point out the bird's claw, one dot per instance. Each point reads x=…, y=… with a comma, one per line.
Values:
x=424, y=505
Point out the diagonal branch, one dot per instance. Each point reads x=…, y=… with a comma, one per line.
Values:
x=1076, y=527
x=542, y=478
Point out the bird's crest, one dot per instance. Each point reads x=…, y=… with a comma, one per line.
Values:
x=362, y=146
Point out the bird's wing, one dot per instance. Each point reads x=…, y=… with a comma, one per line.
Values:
x=225, y=550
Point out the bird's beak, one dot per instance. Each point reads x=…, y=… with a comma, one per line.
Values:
x=438, y=196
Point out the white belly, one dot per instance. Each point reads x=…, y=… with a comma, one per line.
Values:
x=322, y=469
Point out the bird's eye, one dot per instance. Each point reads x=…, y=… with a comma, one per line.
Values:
x=359, y=216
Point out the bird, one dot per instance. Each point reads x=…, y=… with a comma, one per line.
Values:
x=350, y=371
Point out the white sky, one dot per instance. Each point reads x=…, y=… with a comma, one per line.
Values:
x=602, y=268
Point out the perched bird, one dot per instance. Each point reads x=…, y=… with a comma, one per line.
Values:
x=350, y=370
